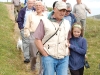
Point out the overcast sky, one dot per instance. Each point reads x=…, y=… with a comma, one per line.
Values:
x=94, y=5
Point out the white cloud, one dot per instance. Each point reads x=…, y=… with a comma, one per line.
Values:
x=89, y=3
x=94, y=5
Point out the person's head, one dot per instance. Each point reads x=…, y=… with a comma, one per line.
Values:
x=54, y=4
x=30, y=3
x=77, y=30
x=69, y=9
x=59, y=10
x=64, y=0
x=78, y=1
x=39, y=6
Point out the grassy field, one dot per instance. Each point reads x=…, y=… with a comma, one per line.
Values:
x=7, y=44
x=11, y=62
x=92, y=36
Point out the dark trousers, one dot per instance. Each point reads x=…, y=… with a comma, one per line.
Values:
x=77, y=72
x=33, y=51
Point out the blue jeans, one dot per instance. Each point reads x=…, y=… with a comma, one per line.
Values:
x=52, y=65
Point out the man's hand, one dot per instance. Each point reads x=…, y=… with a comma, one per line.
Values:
x=40, y=47
x=89, y=11
x=44, y=54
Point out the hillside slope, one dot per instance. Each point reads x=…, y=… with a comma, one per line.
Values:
x=96, y=17
x=11, y=60
x=92, y=35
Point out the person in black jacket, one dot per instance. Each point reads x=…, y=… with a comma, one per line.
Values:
x=22, y=15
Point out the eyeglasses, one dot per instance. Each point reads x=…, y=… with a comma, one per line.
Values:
x=68, y=10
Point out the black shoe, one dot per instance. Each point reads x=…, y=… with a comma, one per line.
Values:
x=26, y=61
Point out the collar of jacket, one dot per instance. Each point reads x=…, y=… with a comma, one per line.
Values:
x=51, y=18
x=30, y=9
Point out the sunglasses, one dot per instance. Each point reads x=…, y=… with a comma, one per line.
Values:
x=68, y=10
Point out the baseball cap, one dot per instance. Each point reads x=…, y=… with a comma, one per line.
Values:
x=61, y=5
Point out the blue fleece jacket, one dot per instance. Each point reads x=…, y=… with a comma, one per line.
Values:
x=78, y=50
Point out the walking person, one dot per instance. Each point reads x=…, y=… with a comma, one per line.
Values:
x=25, y=2
x=79, y=11
x=17, y=7
x=29, y=29
x=22, y=16
x=78, y=48
x=51, y=37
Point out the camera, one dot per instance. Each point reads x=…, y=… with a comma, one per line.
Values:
x=87, y=65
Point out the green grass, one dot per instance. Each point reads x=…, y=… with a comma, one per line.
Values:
x=10, y=58
x=7, y=44
x=92, y=35
x=11, y=62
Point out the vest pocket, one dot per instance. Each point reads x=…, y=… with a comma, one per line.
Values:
x=50, y=49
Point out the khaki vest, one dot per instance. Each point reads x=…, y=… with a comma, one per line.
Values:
x=56, y=46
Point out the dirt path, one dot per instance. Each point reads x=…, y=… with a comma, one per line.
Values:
x=10, y=8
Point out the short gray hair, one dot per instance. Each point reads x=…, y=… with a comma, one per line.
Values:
x=40, y=2
x=68, y=5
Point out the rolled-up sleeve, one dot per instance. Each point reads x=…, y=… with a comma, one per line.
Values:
x=69, y=35
x=39, y=32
